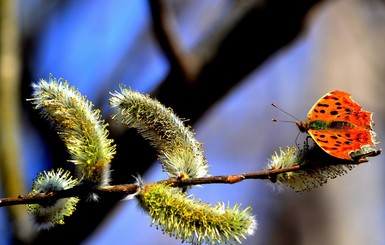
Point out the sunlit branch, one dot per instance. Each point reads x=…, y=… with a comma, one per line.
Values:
x=127, y=189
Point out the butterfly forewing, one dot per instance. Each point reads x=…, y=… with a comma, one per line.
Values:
x=338, y=105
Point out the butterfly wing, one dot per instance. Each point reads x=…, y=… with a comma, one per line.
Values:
x=344, y=144
x=339, y=106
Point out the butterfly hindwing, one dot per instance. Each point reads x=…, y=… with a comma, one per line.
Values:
x=342, y=144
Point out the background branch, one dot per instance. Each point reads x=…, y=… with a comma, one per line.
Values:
x=189, y=63
x=10, y=169
x=165, y=29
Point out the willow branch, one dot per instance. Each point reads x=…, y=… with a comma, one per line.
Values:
x=127, y=189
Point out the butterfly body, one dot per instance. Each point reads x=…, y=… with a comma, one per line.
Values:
x=324, y=125
x=341, y=128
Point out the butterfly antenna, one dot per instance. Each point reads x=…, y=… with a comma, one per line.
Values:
x=287, y=113
x=276, y=120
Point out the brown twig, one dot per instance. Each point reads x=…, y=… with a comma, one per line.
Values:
x=127, y=189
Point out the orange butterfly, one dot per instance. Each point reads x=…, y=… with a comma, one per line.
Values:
x=341, y=128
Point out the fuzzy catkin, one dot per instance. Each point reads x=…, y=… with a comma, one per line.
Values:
x=317, y=167
x=46, y=216
x=193, y=221
x=180, y=153
x=80, y=126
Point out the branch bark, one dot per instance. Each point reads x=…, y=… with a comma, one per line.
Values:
x=127, y=189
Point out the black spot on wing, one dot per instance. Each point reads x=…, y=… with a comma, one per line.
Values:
x=333, y=113
x=348, y=110
x=323, y=141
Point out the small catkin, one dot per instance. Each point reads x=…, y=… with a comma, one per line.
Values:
x=46, y=216
x=317, y=167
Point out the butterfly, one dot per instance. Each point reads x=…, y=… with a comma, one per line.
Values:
x=340, y=127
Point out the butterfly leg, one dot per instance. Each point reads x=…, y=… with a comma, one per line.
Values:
x=307, y=146
x=362, y=158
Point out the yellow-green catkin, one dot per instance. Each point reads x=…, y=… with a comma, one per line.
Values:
x=53, y=213
x=193, y=221
x=317, y=167
x=80, y=126
x=180, y=153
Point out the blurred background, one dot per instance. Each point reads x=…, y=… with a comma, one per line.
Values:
x=218, y=64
